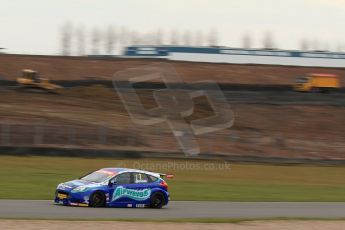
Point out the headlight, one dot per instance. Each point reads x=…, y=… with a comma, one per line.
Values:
x=60, y=186
x=80, y=189
x=63, y=186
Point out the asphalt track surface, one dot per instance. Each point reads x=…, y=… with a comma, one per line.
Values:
x=175, y=210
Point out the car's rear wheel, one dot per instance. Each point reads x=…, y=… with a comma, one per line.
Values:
x=97, y=200
x=157, y=200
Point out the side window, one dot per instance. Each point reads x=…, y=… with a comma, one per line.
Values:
x=152, y=178
x=140, y=178
x=123, y=178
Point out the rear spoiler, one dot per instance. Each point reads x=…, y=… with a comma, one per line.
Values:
x=168, y=176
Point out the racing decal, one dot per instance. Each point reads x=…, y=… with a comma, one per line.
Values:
x=79, y=204
x=139, y=195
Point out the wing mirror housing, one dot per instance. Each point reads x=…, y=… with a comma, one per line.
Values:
x=112, y=183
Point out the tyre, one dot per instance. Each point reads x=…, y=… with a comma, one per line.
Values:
x=97, y=200
x=315, y=90
x=157, y=200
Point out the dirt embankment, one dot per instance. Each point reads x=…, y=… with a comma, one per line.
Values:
x=82, y=68
x=95, y=118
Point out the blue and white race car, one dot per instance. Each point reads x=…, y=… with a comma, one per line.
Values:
x=115, y=187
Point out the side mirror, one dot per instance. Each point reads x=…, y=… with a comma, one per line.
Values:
x=111, y=183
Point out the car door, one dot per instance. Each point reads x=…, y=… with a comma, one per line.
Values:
x=117, y=195
x=140, y=189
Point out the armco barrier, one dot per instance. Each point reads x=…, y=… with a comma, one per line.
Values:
x=108, y=153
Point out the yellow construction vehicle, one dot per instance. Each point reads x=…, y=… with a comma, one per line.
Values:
x=317, y=82
x=30, y=79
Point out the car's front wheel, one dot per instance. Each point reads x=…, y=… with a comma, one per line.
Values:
x=157, y=200
x=97, y=200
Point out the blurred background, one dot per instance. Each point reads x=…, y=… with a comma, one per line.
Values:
x=280, y=65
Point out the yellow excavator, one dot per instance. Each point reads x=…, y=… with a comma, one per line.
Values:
x=31, y=80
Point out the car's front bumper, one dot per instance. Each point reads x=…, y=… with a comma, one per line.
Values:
x=72, y=199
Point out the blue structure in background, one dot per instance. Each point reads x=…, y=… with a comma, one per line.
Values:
x=147, y=51
x=238, y=56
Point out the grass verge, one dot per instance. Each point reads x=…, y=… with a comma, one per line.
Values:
x=36, y=178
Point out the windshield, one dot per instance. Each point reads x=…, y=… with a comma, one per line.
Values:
x=302, y=80
x=99, y=176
